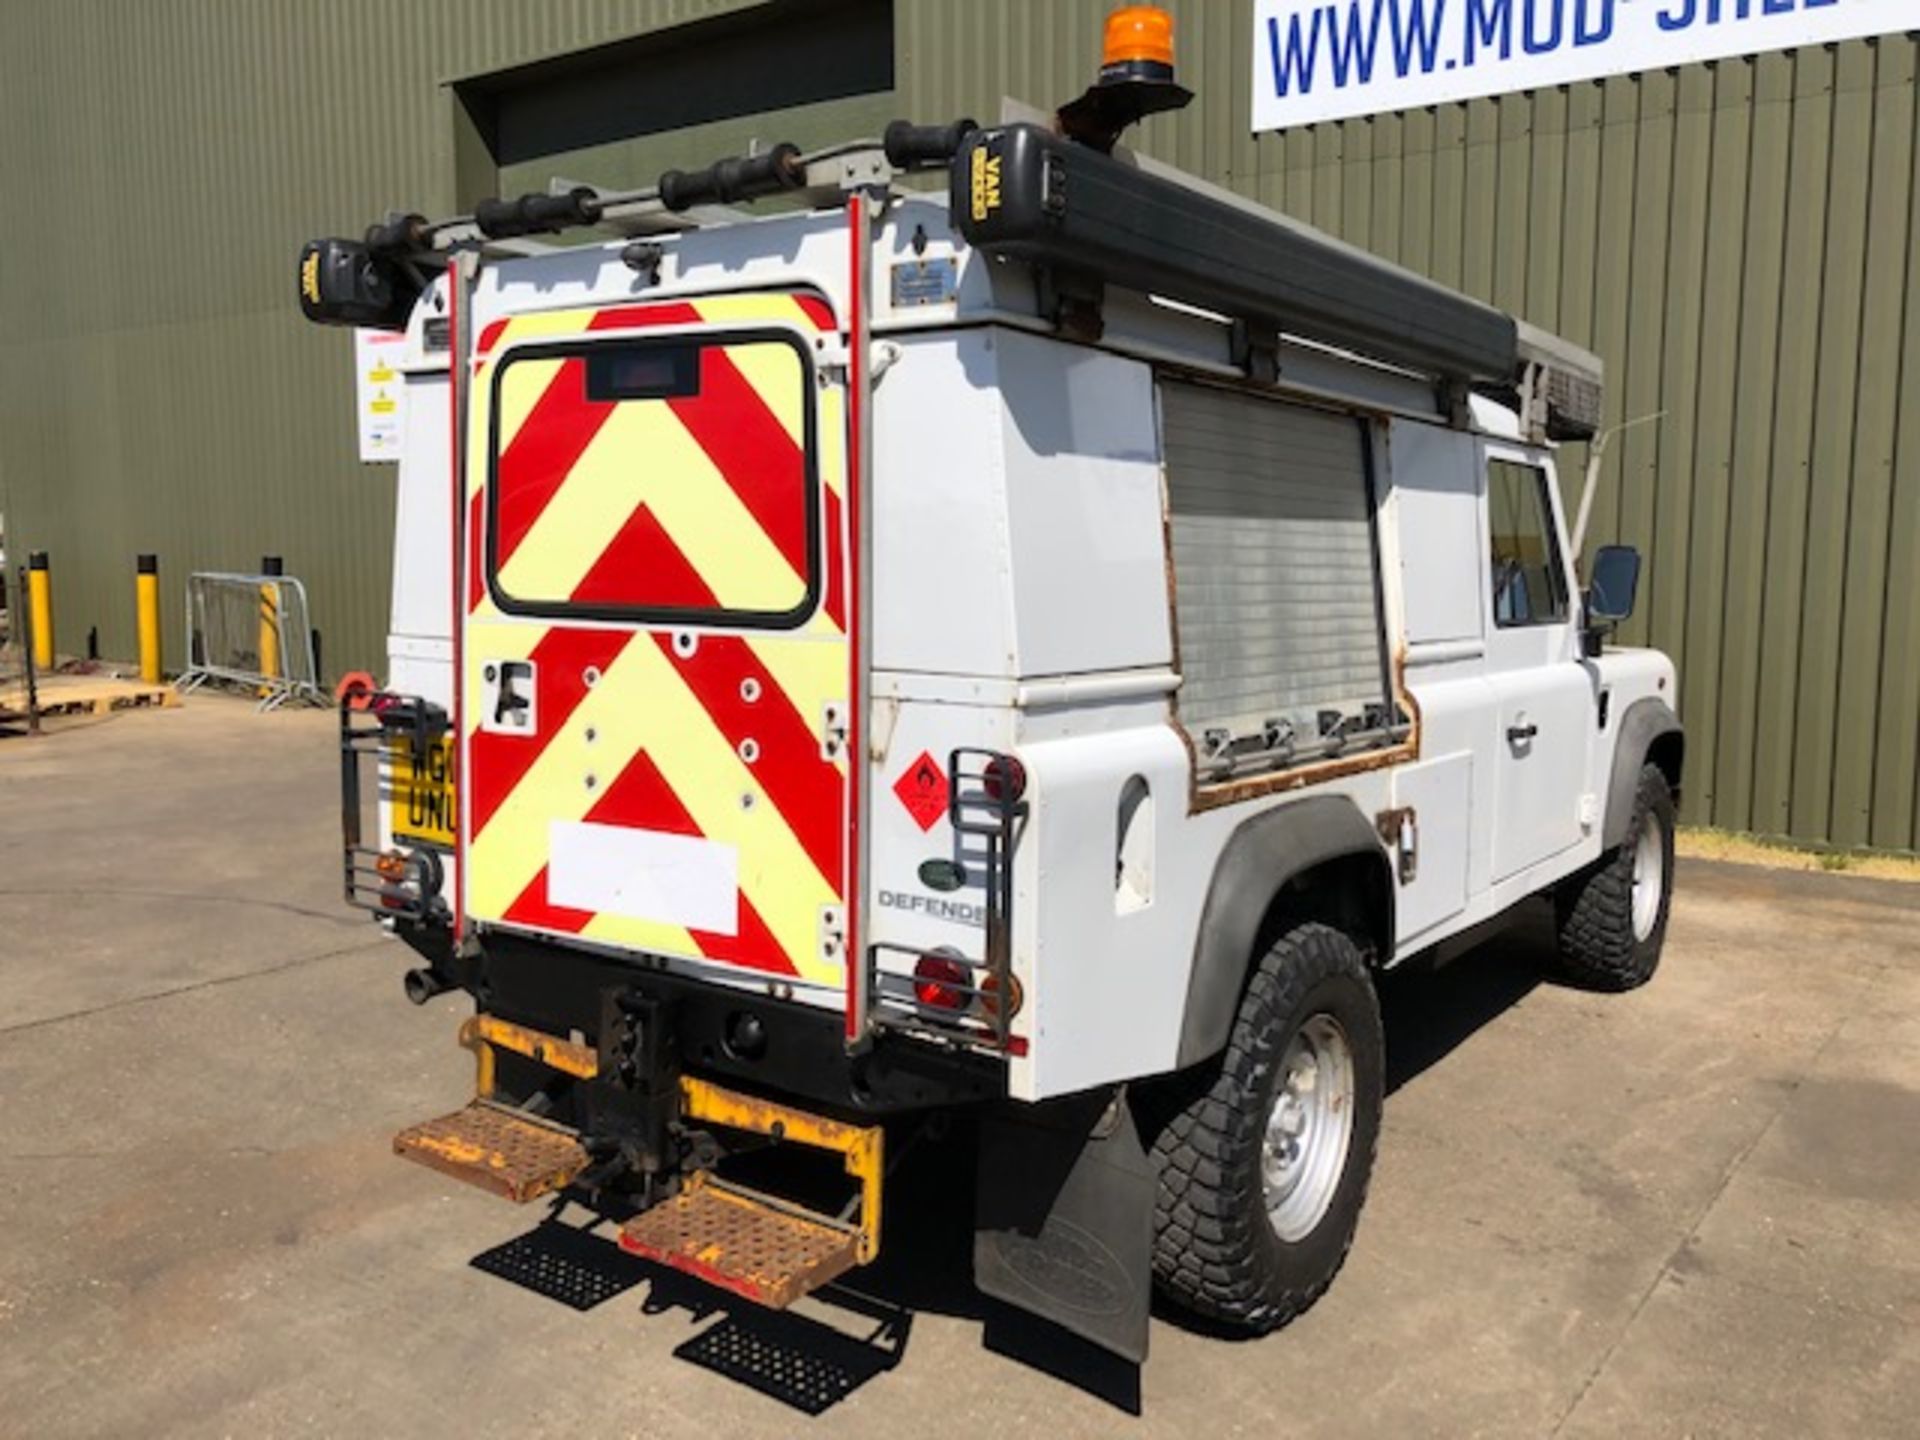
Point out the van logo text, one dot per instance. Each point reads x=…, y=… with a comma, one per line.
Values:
x=985, y=172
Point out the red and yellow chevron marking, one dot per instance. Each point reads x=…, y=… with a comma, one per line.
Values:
x=718, y=739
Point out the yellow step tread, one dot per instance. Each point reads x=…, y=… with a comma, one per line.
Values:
x=512, y=1155
x=743, y=1242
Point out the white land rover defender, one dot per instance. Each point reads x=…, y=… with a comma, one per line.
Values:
x=1038, y=650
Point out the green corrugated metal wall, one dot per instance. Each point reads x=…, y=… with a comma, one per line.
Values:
x=1737, y=240
x=160, y=165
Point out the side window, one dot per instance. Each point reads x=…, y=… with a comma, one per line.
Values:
x=1529, y=581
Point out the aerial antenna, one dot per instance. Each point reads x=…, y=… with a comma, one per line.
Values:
x=1595, y=455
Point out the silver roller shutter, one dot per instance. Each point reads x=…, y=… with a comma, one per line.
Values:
x=1274, y=581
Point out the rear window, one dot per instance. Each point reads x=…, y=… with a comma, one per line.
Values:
x=668, y=479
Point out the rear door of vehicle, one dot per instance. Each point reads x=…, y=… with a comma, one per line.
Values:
x=656, y=652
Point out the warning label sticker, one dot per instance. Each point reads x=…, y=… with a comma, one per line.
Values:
x=923, y=790
x=376, y=354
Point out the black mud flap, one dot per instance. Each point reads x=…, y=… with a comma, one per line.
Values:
x=1064, y=1218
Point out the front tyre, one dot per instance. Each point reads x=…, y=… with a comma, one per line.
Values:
x=1261, y=1173
x=1613, y=917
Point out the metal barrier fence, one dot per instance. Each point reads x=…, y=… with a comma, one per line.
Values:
x=252, y=631
x=19, y=686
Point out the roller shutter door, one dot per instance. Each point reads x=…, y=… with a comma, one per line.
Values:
x=1276, y=590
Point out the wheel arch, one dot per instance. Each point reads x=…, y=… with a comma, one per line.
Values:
x=1313, y=859
x=1649, y=731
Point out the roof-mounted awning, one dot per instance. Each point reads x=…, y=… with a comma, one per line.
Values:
x=1026, y=193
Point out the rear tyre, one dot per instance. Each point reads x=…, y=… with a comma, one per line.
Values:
x=1613, y=916
x=1261, y=1170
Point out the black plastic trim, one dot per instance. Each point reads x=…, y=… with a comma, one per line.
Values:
x=1646, y=720
x=1260, y=858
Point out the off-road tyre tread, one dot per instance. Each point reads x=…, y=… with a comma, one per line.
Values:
x=1213, y=1247
x=1594, y=910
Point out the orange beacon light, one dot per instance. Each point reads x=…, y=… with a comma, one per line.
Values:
x=1139, y=45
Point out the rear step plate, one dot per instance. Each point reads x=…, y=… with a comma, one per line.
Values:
x=743, y=1242
x=501, y=1150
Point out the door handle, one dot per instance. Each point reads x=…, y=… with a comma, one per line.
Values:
x=511, y=707
x=1519, y=734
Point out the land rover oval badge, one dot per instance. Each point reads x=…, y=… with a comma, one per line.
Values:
x=945, y=876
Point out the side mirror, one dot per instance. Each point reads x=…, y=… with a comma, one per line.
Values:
x=1615, y=582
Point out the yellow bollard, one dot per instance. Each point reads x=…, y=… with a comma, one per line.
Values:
x=270, y=617
x=146, y=612
x=40, y=605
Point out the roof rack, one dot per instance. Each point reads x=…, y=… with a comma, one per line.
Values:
x=1084, y=217
x=679, y=200
x=374, y=281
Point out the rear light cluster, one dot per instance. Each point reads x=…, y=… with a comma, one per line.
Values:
x=941, y=993
x=990, y=996
x=395, y=869
x=942, y=983
x=946, y=983
x=1004, y=779
x=409, y=879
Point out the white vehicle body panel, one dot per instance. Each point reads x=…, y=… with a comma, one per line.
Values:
x=1023, y=601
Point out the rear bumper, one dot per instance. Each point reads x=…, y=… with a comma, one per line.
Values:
x=802, y=1055
x=800, y=1051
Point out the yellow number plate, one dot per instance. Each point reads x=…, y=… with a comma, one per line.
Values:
x=422, y=799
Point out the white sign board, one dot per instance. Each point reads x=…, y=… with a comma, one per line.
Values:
x=1317, y=60
x=379, y=393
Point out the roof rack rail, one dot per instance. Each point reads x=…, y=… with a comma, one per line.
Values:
x=374, y=281
x=1027, y=192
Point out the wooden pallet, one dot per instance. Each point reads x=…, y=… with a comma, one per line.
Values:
x=86, y=695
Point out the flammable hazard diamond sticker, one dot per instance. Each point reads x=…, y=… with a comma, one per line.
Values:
x=923, y=790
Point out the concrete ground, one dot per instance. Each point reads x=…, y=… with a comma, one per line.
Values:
x=1694, y=1210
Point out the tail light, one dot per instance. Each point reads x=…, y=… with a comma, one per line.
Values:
x=990, y=996
x=1004, y=779
x=942, y=983
x=395, y=869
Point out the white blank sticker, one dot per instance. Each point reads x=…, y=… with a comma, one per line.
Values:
x=645, y=875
